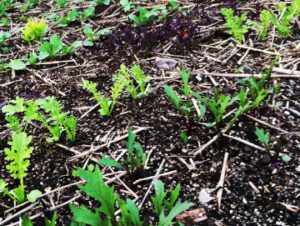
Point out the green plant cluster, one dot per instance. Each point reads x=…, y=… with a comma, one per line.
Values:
x=281, y=19
x=125, y=79
x=47, y=111
x=253, y=94
x=110, y=202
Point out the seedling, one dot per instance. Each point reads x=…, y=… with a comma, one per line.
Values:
x=104, y=102
x=286, y=15
x=185, y=107
x=216, y=104
x=93, y=36
x=145, y=15
x=56, y=47
x=47, y=111
x=125, y=77
x=107, y=198
x=172, y=206
x=237, y=26
x=61, y=4
x=34, y=30
x=18, y=155
x=88, y=13
x=136, y=156
x=263, y=137
x=68, y=19
x=129, y=211
x=126, y=4
x=3, y=37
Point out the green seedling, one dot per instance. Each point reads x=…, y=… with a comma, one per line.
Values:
x=126, y=5
x=88, y=13
x=3, y=37
x=55, y=47
x=18, y=155
x=185, y=107
x=34, y=30
x=172, y=206
x=68, y=19
x=286, y=15
x=5, y=5
x=216, y=104
x=4, y=22
x=27, y=222
x=136, y=156
x=144, y=15
x=47, y=111
x=236, y=25
x=104, y=102
x=92, y=37
x=263, y=137
x=108, y=200
x=129, y=77
x=61, y=4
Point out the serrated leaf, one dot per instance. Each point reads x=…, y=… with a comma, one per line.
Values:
x=262, y=136
x=97, y=189
x=85, y=216
x=108, y=162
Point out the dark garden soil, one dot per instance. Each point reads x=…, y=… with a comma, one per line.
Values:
x=260, y=188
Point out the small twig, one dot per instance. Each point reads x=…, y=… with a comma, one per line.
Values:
x=220, y=184
x=160, y=175
x=244, y=142
x=152, y=182
x=105, y=145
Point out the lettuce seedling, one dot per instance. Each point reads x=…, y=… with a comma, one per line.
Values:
x=34, y=30
x=237, y=26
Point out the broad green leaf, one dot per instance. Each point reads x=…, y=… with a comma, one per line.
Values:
x=97, y=189
x=34, y=195
x=17, y=65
